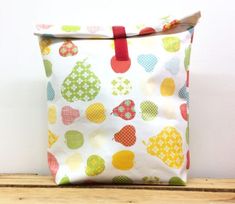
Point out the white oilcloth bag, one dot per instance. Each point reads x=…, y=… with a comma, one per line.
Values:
x=118, y=101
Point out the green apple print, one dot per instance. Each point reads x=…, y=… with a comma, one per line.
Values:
x=48, y=67
x=65, y=180
x=176, y=181
x=74, y=139
x=122, y=180
x=171, y=44
x=149, y=110
x=151, y=180
x=70, y=28
x=95, y=165
x=81, y=84
x=187, y=57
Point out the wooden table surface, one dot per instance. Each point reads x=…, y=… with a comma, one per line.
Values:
x=34, y=189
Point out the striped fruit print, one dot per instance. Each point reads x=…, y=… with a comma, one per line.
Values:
x=126, y=136
x=126, y=110
x=167, y=146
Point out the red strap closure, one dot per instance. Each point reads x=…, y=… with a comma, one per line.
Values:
x=120, y=43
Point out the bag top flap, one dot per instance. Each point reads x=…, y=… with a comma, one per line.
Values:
x=166, y=25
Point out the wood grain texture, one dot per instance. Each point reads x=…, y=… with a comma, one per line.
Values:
x=196, y=184
x=109, y=196
x=34, y=189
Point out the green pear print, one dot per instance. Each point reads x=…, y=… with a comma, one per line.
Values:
x=81, y=84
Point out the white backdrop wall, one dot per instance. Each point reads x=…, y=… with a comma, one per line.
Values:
x=23, y=125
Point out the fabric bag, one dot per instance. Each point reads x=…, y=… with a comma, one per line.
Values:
x=118, y=101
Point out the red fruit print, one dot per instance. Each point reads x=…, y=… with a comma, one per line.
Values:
x=43, y=26
x=126, y=110
x=147, y=30
x=184, y=111
x=126, y=136
x=120, y=66
x=188, y=160
x=69, y=115
x=187, y=79
x=53, y=164
x=68, y=49
x=170, y=25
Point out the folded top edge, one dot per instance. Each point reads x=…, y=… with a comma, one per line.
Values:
x=164, y=25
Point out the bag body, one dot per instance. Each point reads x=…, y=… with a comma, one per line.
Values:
x=118, y=102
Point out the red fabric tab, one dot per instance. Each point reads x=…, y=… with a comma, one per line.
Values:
x=120, y=43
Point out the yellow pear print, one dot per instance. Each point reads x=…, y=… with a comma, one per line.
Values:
x=167, y=146
x=96, y=113
x=123, y=160
x=52, y=138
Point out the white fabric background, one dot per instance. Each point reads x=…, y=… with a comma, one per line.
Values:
x=23, y=125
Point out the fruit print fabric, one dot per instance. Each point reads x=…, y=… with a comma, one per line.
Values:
x=81, y=84
x=122, y=180
x=121, y=86
x=96, y=113
x=112, y=120
x=167, y=146
x=149, y=110
x=44, y=46
x=126, y=136
x=68, y=49
x=123, y=160
x=148, y=62
x=69, y=115
x=74, y=139
x=95, y=165
x=126, y=110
